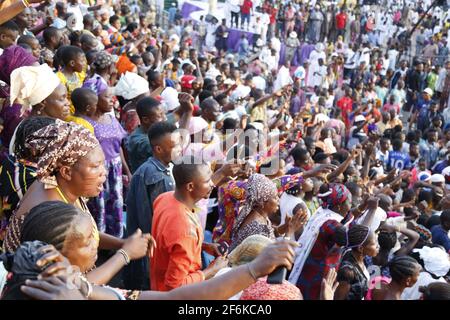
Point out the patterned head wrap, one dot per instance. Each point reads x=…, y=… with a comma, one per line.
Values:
x=336, y=195
x=259, y=190
x=59, y=144
x=116, y=39
x=103, y=60
x=96, y=84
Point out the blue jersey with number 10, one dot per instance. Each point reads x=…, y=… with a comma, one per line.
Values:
x=398, y=160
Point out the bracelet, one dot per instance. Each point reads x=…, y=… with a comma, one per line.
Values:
x=252, y=273
x=25, y=3
x=89, y=287
x=125, y=256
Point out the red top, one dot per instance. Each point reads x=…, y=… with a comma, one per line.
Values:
x=178, y=232
x=246, y=6
x=273, y=16
x=346, y=105
x=341, y=20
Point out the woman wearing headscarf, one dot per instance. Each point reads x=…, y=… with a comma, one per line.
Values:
x=262, y=201
x=104, y=68
x=107, y=206
x=131, y=87
x=70, y=167
x=322, y=238
x=39, y=89
x=12, y=58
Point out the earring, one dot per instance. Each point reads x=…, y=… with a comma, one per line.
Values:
x=39, y=112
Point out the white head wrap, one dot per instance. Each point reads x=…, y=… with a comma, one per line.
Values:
x=131, y=85
x=435, y=260
x=170, y=99
x=31, y=85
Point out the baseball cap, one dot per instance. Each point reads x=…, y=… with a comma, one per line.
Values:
x=428, y=91
x=186, y=81
x=360, y=118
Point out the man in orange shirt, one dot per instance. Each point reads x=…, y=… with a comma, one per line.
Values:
x=178, y=232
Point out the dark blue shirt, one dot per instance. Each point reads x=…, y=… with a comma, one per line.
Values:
x=440, y=237
x=139, y=148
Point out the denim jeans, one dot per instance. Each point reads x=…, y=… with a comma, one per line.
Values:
x=245, y=16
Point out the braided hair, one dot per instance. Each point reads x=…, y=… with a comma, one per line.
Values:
x=25, y=129
x=387, y=240
x=401, y=267
x=352, y=238
x=50, y=222
x=436, y=291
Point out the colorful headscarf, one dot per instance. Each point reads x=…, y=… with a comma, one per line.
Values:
x=261, y=290
x=12, y=58
x=259, y=190
x=103, y=60
x=116, y=38
x=336, y=195
x=96, y=84
x=59, y=144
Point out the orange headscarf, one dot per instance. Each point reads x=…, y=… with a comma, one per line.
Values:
x=124, y=64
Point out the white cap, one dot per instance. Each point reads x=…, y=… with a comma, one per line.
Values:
x=437, y=178
x=428, y=91
x=360, y=118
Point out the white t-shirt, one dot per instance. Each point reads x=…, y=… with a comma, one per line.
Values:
x=78, y=10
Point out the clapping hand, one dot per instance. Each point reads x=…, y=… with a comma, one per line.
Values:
x=329, y=285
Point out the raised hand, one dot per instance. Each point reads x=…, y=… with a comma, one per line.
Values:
x=186, y=102
x=329, y=285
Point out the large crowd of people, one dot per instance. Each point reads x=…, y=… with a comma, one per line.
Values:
x=144, y=155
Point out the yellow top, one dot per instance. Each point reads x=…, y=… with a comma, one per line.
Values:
x=72, y=85
x=81, y=122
